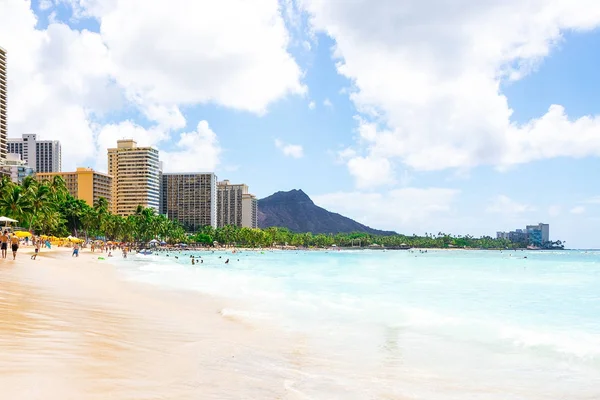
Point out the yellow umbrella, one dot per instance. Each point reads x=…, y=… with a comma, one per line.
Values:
x=22, y=234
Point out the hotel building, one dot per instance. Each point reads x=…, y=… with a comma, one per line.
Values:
x=249, y=210
x=3, y=104
x=41, y=155
x=190, y=199
x=136, y=177
x=537, y=235
x=235, y=206
x=85, y=184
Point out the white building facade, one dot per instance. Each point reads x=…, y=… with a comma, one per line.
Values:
x=41, y=155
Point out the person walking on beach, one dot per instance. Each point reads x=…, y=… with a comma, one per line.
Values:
x=4, y=243
x=38, y=244
x=75, y=250
x=14, y=244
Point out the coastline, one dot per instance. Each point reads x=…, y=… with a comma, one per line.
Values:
x=74, y=328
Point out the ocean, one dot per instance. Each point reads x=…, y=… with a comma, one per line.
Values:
x=373, y=324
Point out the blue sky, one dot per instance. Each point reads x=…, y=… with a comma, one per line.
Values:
x=381, y=113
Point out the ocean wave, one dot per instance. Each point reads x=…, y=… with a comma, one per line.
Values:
x=573, y=343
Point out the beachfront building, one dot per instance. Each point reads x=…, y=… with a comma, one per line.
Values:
x=84, y=183
x=249, y=210
x=536, y=235
x=190, y=198
x=41, y=155
x=3, y=104
x=15, y=168
x=235, y=206
x=136, y=177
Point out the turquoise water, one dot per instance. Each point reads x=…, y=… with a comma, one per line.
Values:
x=435, y=325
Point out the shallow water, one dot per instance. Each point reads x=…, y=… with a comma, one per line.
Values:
x=440, y=325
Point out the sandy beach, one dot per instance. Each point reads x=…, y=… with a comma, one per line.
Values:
x=71, y=328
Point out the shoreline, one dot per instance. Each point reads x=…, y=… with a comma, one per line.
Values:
x=74, y=328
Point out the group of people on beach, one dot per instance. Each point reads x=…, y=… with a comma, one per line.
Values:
x=11, y=238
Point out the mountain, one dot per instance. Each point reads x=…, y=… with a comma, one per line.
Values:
x=297, y=212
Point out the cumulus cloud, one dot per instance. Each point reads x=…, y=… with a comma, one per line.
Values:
x=229, y=52
x=327, y=103
x=502, y=204
x=195, y=151
x=290, y=150
x=427, y=76
x=312, y=105
x=370, y=171
x=66, y=84
x=405, y=210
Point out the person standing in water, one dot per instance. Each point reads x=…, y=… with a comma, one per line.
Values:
x=14, y=244
x=4, y=243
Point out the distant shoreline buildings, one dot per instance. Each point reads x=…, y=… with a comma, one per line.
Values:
x=536, y=235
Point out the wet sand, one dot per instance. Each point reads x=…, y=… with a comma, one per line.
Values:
x=71, y=328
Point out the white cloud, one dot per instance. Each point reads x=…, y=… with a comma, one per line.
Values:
x=312, y=105
x=405, y=210
x=371, y=172
x=196, y=151
x=327, y=103
x=155, y=60
x=45, y=4
x=290, y=150
x=505, y=205
x=229, y=52
x=577, y=210
x=428, y=75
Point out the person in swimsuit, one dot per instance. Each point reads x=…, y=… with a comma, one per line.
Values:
x=14, y=244
x=75, y=251
x=37, y=243
x=4, y=243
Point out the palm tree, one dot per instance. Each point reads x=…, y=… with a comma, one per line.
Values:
x=39, y=196
x=15, y=203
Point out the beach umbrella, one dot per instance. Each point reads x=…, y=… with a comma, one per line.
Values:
x=23, y=234
x=6, y=220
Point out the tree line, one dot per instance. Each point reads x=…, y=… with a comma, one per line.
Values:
x=46, y=207
x=274, y=236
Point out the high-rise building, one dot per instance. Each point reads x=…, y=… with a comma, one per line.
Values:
x=85, y=184
x=190, y=198
x=3, y=104
x=41, y=155
x=136, y=177
x=538, y=234
x=15, y=168
x=249, y=210
x=235, y=206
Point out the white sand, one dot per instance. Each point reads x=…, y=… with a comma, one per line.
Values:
x=71, y=328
